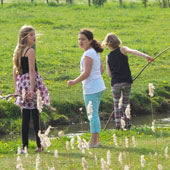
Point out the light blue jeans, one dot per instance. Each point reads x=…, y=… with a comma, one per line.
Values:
x=95, y=126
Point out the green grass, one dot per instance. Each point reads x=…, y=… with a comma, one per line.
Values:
x=58, y=54
x=145, y=145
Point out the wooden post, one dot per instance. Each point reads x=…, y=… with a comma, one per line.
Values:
x=1, y=2
x=89, y=2
x=47, y=1
x=32, y=1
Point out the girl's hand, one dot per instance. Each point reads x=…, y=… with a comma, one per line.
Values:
x=70, y=83
x=148, y=58
x=29, y=95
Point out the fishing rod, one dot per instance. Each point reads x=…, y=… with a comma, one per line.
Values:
x=134, y=80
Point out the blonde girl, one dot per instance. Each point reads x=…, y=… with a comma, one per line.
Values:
x=118, y=69
x=27, y=81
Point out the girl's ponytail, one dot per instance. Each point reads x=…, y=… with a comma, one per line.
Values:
x=97, y=46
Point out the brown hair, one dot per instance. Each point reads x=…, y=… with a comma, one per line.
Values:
x=22, y=42
x=112, y=40
x=95, y=43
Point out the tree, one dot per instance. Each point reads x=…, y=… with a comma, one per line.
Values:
x=69, y=1
x=1, y=2
x=98, y=2
x=89, y=2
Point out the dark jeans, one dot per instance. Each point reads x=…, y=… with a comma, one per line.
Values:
x=26, y=113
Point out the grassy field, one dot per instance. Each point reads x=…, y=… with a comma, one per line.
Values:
x=146, y=143
x=58, y=54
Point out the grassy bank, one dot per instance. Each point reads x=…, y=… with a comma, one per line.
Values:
x=147, y=143
x=58, y=54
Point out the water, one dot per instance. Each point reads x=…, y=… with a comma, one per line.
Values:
x=162, y=120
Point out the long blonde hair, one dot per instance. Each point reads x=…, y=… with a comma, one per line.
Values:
x=22, y=42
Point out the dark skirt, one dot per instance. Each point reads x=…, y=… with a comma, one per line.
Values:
x=23, y=82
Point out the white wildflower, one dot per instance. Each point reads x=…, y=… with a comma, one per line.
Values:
x=90, y=110
x=95, y=158
x=67, y=145
x=80, y=109
x=143, y=161
x=84, y=163
x=47, y=131
x=115, y=139
x=45, y=141
x=120, y=158
x=153, y=126
x=37, y=162
x=61, y=133
x=151, y=89
x=104, y=164
x=19, y=151
x=122, y=122
x=79, y=143
x=126, y=142
x=40, y=102
x=127, y=167
x=83, y=151
x=127, y=111
x=72, y=143
x=56, y=153
x=19, y=163
x=120, y=101
x=23, y=95
x=25, y=151
x=166, y=153
x=133, y=141
x=108, y=157
x=160, y=167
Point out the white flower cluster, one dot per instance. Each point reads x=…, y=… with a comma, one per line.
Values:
x=115, y=140
x=61, y=133
x=142, y=160
x=84, y=163
x=40, y=102
x=153, y=126
x=90, y=110
x=133, y=141
x=37, y=162
x=122, y=121
x=151, y=89
x=127, y=111
x=104, y=164
x=166, y=153
x=19, y=165
x=23, y=95
x=45, y=141
x=120, y=101
x=82, y=144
